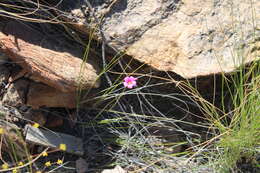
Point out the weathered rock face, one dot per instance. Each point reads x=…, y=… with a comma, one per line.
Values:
x=190, y=38
x=200, y=39
x=51, y=76
x=57, y=69
x=42, y=95
x=26, y=92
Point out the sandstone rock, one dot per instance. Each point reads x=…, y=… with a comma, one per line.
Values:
x=60, y=70
x=191, y=38
x=16, y=93
x=25, y=92
x=42, y=95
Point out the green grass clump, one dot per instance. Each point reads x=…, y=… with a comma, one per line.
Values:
x=236, y=122
x=242, y=134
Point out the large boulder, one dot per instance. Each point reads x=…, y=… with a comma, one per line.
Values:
x=189, y=37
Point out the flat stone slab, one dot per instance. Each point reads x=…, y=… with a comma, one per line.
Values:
x=54, y=139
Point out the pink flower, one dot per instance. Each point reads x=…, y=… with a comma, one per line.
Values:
x=130, y=82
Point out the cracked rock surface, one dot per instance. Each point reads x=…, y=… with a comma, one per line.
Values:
x=27, y=92
x=191, y=38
